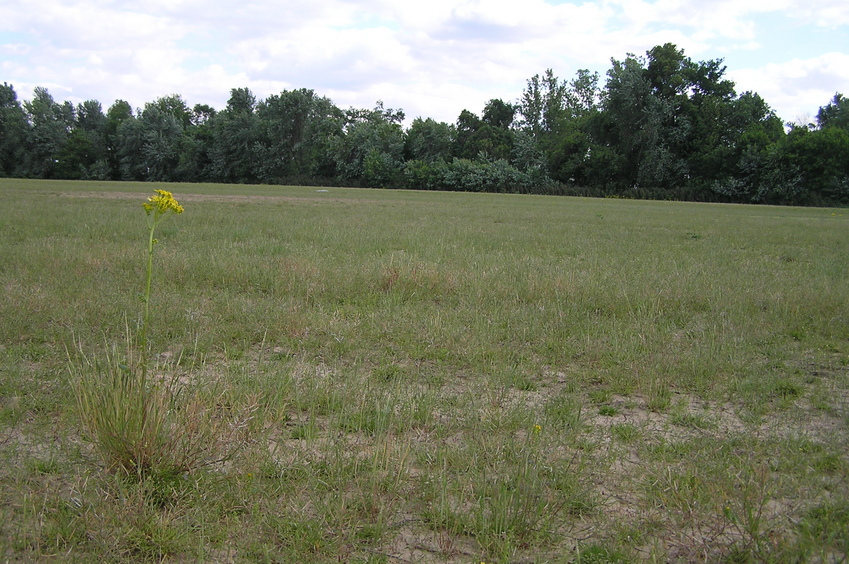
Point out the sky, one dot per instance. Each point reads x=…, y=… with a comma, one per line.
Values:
x=429, y=58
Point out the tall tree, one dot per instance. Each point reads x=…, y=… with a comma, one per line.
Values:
x=555, y=118
x=119, y=112
x=296, y=130
x=371, y=152
x=835, y=113
x=543, y=105
x=806, y=167
x=174, y=105
x=632, y=120
x=428, y=140
x=149, y=146
x=489, y=137
x=196, y=146
x=667, y=117
x=50, y=124
x=13, y=132
x=751, y=131
x=201, y=114
x=83, y=155
x=235, y=136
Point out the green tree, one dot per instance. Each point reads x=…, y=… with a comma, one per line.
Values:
x=555, y=118
x=583, y=93
x=835, y=113
x=50, y=124
x=194, y=162
x=751, y=131
x=489, y=137
x=83, y=155
x=371, y=152
x=201, y=114
x=149, y=146
x=807, y=167
x=631, y=119
x=235, y=132
x=543, y=107
x=119, y=112
x=175, y=106
x=13, y=132
x=297, y=129
x=667, y=118
x=428, y=140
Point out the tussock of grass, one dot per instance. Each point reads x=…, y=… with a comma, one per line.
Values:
x=154, y=425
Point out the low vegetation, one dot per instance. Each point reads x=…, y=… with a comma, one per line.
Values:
x=376, y=376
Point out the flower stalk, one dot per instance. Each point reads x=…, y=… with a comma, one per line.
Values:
x=156, y=207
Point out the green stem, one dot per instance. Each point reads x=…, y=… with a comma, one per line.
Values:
x=146, y=316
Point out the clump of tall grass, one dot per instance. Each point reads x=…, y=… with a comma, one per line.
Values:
x=147, y=426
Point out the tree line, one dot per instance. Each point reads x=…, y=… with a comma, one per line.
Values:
x=661, y=126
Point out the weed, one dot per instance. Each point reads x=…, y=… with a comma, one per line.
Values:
x=787, y=389
x=600, y=554
x=608, y=410
x=600, y=396
x=692, y=421
x=825, y=531
x=625, y=432
x=144, y=426
x=659, y=396
x=565, y=412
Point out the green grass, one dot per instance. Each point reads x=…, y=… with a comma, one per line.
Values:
x=436, y=376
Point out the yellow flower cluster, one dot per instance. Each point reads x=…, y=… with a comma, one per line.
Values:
x=161, y=202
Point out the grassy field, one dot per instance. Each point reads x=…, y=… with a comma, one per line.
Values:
x=432, y=377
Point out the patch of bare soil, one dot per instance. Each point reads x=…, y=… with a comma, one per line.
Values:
x=414, y=543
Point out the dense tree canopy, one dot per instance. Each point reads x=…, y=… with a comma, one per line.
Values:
x=13, y=132
x=660, y=126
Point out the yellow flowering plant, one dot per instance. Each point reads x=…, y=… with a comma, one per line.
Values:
x=126, y=417
x=152, y=428
x=157, y=208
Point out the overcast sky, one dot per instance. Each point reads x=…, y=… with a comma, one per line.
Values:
x=430, y=58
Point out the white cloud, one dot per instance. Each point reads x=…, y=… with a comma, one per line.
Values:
x=796, y=89
x=430, y=58
x=825, y=13
x=15, y=49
